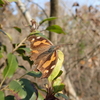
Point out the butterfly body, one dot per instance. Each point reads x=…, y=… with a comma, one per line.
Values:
x=43, y=54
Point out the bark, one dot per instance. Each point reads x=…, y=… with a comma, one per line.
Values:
x=26, y=14
x=54, y=5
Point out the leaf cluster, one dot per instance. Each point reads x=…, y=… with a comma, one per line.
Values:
x=23, y=88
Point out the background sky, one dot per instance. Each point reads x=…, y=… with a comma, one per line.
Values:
x=68, y=3
x=81, y=2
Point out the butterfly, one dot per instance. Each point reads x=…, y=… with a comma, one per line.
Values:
x=44, y=54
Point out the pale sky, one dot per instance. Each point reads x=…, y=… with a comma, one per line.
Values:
x=68, y=3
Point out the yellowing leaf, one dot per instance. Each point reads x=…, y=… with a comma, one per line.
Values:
x=58, y=66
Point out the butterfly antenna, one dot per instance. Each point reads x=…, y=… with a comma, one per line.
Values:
x=61, y=45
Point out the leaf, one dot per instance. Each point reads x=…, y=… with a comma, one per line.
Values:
x=25, y=49
x=12, y=0
x=40, y=97
x=2, y=31
x=39, y=34
x=11, y=66
x=2, y=95
x=21, y=50
x=62, y=95
x=18, y=29
x=58, y=88
x=29, y=88
x=22, y=67
x=10, y=38
x=2, y=3
x=2, y=49
x=58, y=66
x=60, y=73
x=55, y=28
x=57, y=85
x=35, y=74
x=17, y=89
x=9, y=97
x=1, y=55
x=28, y=59
x=34, y=32
x=47, y=19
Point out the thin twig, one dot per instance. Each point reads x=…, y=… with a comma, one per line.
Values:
x=19, y=45
x=77, y=61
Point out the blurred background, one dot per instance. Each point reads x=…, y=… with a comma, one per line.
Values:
x=80, y=19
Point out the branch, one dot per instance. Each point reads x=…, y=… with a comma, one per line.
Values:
x=25, y=12
x=40, y=8
x=77, y=61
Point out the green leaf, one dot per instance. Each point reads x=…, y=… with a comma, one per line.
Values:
x=2, y=95
x=60, y=73
x=40, y=97
x=1, y=55
x=30, y=89
x=35, y=74
x=62, y=95
x=3, y=49
x=10, y=38
x=34, y=32
x=12, y=0
x=17, y=89
x=47, y=19
x=9, y=97
x=57, y=85
x=8, y=35
x=11, y=66
x=18, y=29
x=58, y=88
x=22, y=67
x=1, y=2
x=39, y=34
x=21, y=50
x=28, y=59
x=58, y=66
x=55, y=28
x=25, y=49
x=1, y=52
x=34, y=97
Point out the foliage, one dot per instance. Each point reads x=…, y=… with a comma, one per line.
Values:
x=82, y=59
x=23, y=88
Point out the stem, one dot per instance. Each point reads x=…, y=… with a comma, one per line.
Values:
x=2, y=81
x=13, y=52
x=4, y=88
x=24, y=75
x=19, y=45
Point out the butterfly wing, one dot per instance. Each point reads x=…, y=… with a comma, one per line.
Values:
x=43, y=54
x=38, y=46
x=47, y=64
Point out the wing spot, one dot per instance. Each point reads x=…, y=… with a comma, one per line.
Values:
x=32, y=40
x=46, y=71
x=38, y=37
x=52, y=67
